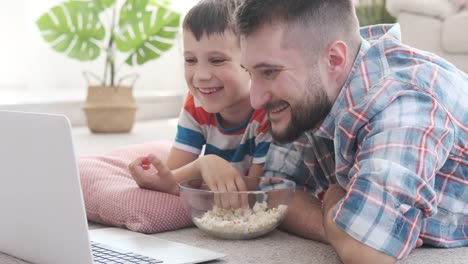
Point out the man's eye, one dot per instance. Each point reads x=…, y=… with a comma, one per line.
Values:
x=269, y=73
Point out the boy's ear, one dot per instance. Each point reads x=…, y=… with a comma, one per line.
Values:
x=336, y=56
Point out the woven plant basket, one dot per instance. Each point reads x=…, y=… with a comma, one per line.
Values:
x=110, y=109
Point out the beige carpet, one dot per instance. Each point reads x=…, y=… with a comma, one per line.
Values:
x=280, y=247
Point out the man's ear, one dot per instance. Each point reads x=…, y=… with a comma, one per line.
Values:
x=336, y=56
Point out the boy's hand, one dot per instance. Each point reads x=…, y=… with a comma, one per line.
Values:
x=151, y=173
x=222, y=177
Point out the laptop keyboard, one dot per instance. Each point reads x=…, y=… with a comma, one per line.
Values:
x=109, y=255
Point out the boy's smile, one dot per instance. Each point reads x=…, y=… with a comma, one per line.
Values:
x=209, y=90
x=214, y=75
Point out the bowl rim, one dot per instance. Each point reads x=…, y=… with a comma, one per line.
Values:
x=293, y=189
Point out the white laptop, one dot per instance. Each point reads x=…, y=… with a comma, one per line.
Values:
x=42, y=210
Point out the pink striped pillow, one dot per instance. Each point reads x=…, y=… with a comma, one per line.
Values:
x=112, y=197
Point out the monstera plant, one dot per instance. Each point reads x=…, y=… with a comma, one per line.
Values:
x=136, y=30
x=370, y=12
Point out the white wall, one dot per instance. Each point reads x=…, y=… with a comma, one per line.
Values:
x=27, y=62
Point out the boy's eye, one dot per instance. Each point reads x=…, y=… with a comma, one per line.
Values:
x=217, y=60
x=190, y=60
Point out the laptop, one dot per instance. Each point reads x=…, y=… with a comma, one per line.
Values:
x=43, y=218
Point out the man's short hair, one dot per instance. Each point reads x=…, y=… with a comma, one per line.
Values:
x=319, y=20
x=210, y=17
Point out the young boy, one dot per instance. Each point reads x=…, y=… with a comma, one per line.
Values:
x=217, y=113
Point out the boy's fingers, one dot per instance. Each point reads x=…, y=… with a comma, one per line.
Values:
x=217, y=200
x=240, y=183
x=231, y=186
x=163, y=170
x=232, y=196
x=243, y=197
x=133, y=168
x=223, y=196
x=145, y=163
x=136, y=163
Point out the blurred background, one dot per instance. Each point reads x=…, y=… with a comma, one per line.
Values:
x=33, y=74
x=29, y=66
x=372, y=12
x=30, y=70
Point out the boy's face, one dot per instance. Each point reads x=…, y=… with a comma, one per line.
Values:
x=213, y=72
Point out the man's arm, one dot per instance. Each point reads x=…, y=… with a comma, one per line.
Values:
x=348, y=249
x=304, y=217
x=391, y=183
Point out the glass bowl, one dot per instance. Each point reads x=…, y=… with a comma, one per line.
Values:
x=238, y=215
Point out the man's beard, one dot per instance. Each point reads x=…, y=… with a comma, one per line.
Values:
x=304, y=117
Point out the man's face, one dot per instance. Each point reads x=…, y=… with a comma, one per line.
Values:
x=284, y=83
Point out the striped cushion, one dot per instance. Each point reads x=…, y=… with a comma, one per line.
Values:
x=112, y=197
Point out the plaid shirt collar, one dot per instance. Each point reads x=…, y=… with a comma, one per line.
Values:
x=327, y=128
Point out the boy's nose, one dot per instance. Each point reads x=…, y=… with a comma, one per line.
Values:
x=201, y=74
x=259, y=95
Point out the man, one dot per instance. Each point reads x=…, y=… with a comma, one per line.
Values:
x=378, y=129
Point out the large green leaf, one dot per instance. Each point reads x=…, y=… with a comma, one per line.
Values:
x=107, y=3
x=101, y=5
x=73, y=28
x=145, y=31
x=159, y=3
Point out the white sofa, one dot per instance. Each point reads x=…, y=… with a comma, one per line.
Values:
x=438, y=26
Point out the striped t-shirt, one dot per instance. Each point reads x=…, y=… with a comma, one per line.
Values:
x=242, y=146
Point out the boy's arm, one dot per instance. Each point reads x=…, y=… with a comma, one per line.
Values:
x=178, y=158
x=256, y=170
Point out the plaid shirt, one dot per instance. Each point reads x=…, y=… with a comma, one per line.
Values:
x=396, y=140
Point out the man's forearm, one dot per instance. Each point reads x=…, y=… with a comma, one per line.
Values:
x=349, y=249
x=304, y=217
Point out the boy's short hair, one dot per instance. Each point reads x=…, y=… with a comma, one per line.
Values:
x=211, y=16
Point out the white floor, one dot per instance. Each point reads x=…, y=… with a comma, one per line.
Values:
x=143, y=131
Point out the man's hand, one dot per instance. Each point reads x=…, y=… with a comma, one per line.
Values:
x=151, y=173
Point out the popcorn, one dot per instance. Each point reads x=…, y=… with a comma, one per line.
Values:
x=242, y=222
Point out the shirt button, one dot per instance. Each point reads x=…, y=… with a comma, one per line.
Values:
x=404, y=208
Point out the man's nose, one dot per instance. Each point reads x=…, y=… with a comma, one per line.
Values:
x=259, y=94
